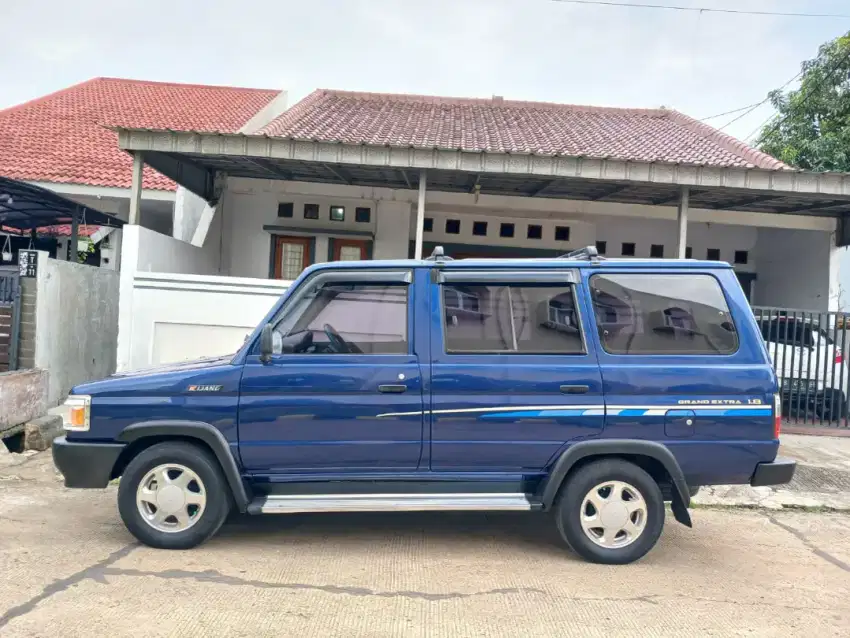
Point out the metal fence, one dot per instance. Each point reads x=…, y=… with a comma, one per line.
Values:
x=10, y=319
x=809, y=352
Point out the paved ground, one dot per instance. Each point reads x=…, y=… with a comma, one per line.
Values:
x=822, y=479
x=68, y=568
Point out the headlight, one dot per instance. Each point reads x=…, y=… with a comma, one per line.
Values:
x=79, y=412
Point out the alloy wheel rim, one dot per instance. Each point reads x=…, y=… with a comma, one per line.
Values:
x=613, y=514
x=171, y=498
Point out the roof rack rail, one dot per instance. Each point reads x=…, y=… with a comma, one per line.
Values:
x=439, y=255
x=589, y=252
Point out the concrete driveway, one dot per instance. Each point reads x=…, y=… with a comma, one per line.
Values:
x=68, y=568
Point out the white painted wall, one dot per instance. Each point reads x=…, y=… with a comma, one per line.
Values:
x=250, y=204
x=797, y=269
x=394, y=221
x=177, y=317
x=174, y=307
x=76, y=331
x=188, y=209
x=842, y=296
x=155, y=252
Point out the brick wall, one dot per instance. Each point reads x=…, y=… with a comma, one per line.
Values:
x=26, y=347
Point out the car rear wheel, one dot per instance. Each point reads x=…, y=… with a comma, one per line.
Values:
x=610, y=511
x=173, y=496
x=834, y=407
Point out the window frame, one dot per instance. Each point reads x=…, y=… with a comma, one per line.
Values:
x=642, y=273
x=314, y=212
x=346, y=276
x=566, y=278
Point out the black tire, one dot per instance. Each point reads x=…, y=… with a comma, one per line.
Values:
x=568, y=510
x=199, y=461
x=834, y=406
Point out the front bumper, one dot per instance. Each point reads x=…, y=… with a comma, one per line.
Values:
x=778, y=472
x=86, y=465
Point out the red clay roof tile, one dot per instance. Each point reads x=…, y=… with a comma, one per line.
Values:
x=63, y=137
x=504, y=126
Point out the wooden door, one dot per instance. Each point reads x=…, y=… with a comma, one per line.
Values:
x=349, y=250
x=291, y=256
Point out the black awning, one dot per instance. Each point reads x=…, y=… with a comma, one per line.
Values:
x=25, y=207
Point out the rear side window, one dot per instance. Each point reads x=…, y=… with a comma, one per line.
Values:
x=662, y=314
x=514, y=319
x=787, y=332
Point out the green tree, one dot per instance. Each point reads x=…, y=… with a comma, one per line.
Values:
x=812, y=127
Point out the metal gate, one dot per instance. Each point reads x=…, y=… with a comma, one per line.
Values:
x=10, y=319
x=809, y=352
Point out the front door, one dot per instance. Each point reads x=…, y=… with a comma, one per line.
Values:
x=291, y=256
x=349, y=250
x=343, y=390
x=512, y=380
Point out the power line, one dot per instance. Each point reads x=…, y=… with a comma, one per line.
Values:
x=808, y=94
x=743, y=108
x=755, y=106
x=642, y=5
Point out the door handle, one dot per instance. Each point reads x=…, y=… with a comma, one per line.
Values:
x=392, y=388
x=574, y=389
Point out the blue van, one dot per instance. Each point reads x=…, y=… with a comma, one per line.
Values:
x=593, y=389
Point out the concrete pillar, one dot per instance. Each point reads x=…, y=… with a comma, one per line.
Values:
x=136, y=188
x=420, y=216
x=321, y=249
x=75, y=237
x=682, y=220
x=392, y=230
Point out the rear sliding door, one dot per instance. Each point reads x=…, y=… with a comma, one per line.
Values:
x=512, y=380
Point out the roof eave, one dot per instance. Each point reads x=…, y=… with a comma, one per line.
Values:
x=657, y=172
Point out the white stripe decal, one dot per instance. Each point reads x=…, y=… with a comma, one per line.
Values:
x=589, y=410
x=510, y=408
x=593, y=412
x=687, y=406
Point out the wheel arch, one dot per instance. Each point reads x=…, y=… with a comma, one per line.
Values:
x=141, y=436
x=650, y=455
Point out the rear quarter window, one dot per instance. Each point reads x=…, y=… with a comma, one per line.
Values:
x=648, y=314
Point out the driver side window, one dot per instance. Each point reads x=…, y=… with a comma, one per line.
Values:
x=346, y=319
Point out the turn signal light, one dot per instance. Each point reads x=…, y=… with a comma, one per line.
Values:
x=79, y=408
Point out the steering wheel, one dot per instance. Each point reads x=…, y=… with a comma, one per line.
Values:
x=337, y=343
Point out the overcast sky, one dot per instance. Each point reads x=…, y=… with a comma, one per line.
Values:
x=699, y=63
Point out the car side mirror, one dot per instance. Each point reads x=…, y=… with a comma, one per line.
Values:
x=266, y=344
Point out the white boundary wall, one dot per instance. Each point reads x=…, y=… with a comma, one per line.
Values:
x=184, y=312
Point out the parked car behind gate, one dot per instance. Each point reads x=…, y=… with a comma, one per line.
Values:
x=594, y=389
x=810, y=366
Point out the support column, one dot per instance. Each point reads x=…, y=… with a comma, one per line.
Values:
x=682, y=218
x=420, y=216
x=75, y=236
x=136, y=188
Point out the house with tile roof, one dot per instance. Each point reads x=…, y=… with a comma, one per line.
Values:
x=347, y=175
x=225, y=189
x=66, y=141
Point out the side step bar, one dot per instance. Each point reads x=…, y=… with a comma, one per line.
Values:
x=292, y=503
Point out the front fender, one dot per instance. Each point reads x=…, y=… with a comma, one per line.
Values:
x=620, y=447
x=204, y=432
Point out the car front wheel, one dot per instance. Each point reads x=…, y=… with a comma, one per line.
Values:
x=610, y=511
x=173, y=496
